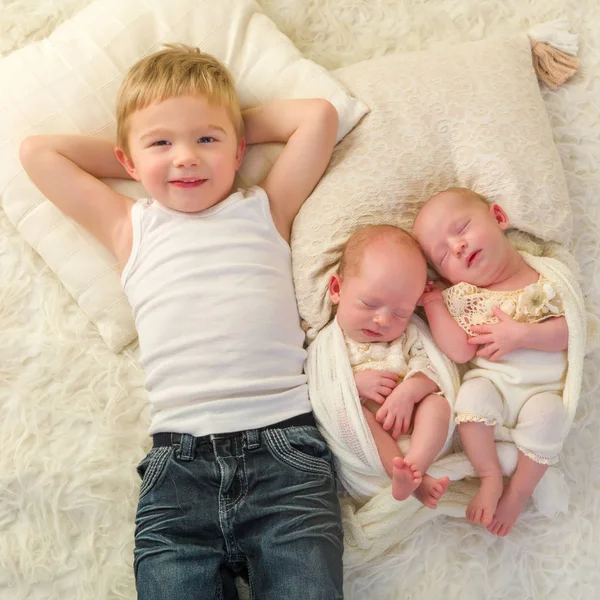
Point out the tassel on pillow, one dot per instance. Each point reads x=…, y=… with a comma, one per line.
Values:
x=553, y=50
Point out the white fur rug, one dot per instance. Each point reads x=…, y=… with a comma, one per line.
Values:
x=72, y=414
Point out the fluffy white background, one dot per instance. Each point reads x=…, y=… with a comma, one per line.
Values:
x=73, y=417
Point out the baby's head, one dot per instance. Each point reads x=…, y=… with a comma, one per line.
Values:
x=179, y=127
x=381, y=277
x=462, y=236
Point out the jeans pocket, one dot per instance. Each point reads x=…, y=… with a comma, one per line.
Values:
x=302, y=448
x=152, y=466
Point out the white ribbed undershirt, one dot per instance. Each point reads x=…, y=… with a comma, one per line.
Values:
x=215, y=310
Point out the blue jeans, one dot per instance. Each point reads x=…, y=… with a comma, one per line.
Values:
x=260, y=503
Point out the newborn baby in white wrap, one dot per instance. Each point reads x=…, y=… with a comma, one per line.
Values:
x=380, y=279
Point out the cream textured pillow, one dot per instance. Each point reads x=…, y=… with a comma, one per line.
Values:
x=68, y=84
x=469, y=115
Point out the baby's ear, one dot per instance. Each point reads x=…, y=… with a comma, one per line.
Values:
x=335, y=286
x=499, y=215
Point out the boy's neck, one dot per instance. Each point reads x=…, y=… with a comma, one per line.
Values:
x=197, y=212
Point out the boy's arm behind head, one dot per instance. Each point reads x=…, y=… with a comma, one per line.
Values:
x=308, y=128
x=66, y=170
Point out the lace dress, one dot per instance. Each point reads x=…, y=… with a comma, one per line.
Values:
x=470, y=305
x=521, y=393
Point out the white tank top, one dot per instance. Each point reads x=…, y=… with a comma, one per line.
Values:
x=216, y=315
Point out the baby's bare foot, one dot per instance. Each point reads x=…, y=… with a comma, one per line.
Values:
x=431, y=490
x=509, y=508
x=405, y=478
x=482, y=507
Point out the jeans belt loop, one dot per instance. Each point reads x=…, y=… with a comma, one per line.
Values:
x=253, y=439
x=187, y=447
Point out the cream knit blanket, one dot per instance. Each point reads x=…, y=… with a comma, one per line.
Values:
x=373, y=520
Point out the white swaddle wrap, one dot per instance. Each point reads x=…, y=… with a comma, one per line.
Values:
x=339, y=412
x=373, y=520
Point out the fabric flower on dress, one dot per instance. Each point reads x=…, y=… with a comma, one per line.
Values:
x=508, y=307
x=550, y=295
x=535, y=299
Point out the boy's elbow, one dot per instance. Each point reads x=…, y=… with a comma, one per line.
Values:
x=27, y=148
x=327, y=114
x=30, y=148
x=328, y=109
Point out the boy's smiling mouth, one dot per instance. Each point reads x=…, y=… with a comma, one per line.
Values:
x=187, y=182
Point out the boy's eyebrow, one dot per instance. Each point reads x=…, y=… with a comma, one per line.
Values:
x=161, y=130
x=217, y=127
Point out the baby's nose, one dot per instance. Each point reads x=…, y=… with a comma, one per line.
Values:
x=382, y=319
x=458, y=247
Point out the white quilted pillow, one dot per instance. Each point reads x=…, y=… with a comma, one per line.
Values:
x=469, y=115
x=68, y=84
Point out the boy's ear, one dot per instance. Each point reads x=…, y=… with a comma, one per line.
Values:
x=499, y=215
x=127, y=163
x=239, y=155
x=335, y=286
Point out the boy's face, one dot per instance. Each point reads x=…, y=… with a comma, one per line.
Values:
x=184, y=151
x=463, y=238
x=375, y=303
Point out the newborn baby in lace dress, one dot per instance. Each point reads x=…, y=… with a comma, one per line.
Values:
x=507, y=321
x=381, y=277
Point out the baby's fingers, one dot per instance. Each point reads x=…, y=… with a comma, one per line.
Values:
x=389, y=421
x=376, y=397
x=496, y=355
x=397, y=430
x=480, y=329
x=405, y=425
x=381, y=414
x=480, y=339
x=380, y=395
x=487, y=350
x=389, y=376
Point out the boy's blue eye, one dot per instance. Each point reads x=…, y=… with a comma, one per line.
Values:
x=206, y=139
x=161, y=143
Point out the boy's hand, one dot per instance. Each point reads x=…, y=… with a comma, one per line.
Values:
x=396, y=413
x=432, y=293
x=375, y=385
x=500, y=338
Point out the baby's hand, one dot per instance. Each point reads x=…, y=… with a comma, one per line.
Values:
x=498, y=339
x=396, y=413
x=432, y=293
x=375, y=385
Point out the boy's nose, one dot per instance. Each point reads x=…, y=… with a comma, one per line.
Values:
x=187, y=157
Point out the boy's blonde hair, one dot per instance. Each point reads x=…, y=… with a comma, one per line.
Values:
x=177, y=70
